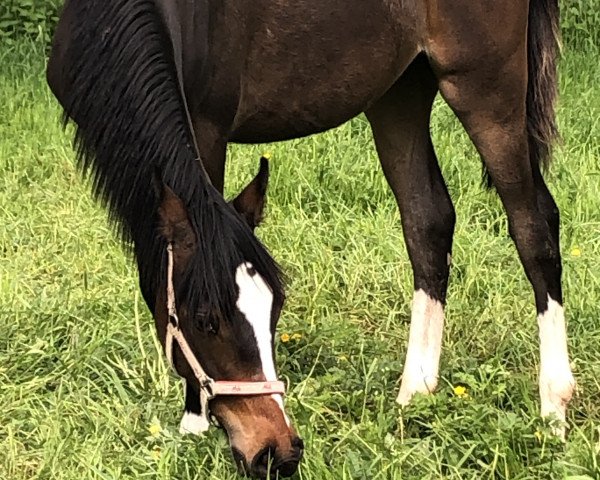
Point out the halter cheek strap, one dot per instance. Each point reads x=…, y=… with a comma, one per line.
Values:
x=209, y=388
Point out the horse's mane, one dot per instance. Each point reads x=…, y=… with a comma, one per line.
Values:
x=122, y=91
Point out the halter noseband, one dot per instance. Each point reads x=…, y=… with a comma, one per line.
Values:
x=209, y=388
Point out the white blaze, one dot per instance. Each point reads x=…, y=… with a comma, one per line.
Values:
x=256, y=302
x=424, y=347
x=556, y=380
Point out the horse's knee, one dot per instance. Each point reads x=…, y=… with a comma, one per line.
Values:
x=429, y=239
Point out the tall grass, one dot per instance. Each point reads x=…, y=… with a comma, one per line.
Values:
x=82, y=375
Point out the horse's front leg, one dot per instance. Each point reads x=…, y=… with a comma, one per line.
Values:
x=211, y=142
x=193, y=421
x=400, y=123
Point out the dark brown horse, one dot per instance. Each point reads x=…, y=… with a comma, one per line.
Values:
x=155, y=85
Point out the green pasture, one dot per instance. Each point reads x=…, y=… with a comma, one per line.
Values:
x=85, y=392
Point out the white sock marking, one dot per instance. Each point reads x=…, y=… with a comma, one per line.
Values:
x=255, y=302
x=556, y=380
x=193, y=424
x=424, y=347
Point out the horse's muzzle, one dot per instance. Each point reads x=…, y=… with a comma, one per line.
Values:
x=270, y=462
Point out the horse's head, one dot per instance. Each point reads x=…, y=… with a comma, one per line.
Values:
x=235, y=349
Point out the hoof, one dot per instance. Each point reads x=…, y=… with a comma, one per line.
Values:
x=409, y=388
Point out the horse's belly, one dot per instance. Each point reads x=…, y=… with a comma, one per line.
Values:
x=308, y=74
x=292, y=113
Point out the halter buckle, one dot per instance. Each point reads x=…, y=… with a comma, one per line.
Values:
x=173, y=320
x=208, y=386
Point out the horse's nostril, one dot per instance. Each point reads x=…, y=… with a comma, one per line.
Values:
x=261, y=461
x=287, y=469
x=269, y=461
x=298, y=445
x=239, y=459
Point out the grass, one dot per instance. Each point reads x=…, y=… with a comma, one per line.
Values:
x=82, y=376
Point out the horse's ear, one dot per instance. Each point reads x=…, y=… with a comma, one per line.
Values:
x=174, y=222
x=250, y=203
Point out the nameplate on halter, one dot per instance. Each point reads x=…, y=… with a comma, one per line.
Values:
x=248, y=388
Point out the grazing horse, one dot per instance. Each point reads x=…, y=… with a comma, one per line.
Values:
x=157, y=89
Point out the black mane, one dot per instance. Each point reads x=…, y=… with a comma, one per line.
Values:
x=121, y=88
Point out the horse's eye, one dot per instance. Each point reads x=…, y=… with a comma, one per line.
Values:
x=207, y=321
x=212, y=329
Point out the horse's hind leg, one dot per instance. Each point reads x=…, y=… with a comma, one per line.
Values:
x=488, y=94
x=400, y=123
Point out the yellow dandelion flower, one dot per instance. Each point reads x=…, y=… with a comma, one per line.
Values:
x=460, y=391
x=155, y=453
x=539, y=435
x=576, y=252
x=343, y=358
x=285, y=337
x=267, y=155
x=296, y=337
x=155, y=429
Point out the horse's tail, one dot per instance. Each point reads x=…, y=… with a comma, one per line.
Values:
x=543, y=45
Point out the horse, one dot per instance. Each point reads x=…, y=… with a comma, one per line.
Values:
x=158, y=88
